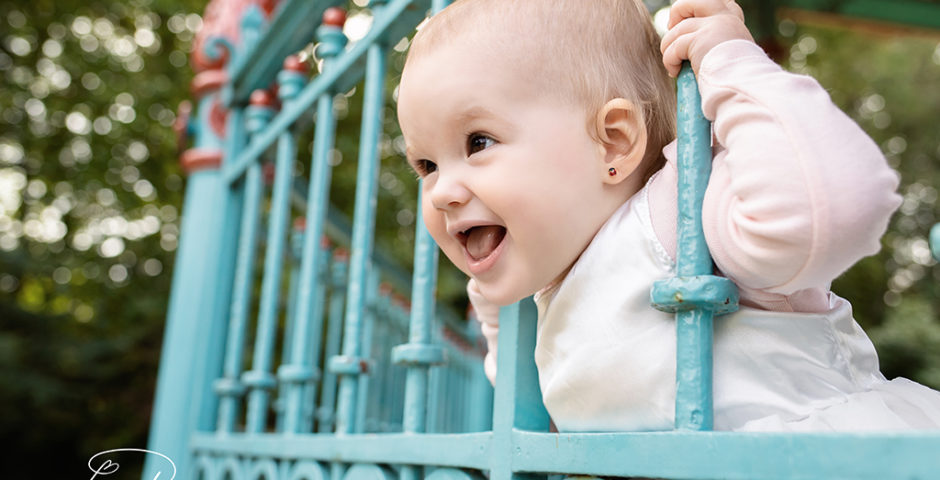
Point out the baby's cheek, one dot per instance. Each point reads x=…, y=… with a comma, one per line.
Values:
x=455, y=256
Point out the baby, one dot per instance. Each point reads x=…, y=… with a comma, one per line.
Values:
x=543, y=133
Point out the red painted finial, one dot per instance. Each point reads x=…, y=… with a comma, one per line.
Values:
x=334, y=17
x=268, y=6
x=262, y=98
x=294, y=64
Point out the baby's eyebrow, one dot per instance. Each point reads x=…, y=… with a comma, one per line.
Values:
x=475, y=112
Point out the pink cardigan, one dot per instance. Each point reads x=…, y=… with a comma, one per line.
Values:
x=798, y=192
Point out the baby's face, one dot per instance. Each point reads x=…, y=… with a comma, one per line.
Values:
x=512, y=179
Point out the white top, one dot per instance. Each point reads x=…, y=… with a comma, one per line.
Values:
x=613, y=368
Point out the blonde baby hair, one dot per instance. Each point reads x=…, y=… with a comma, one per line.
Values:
x=588, y=51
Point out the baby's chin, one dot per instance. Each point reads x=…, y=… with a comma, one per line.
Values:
x=502, y=292
x=501, y=295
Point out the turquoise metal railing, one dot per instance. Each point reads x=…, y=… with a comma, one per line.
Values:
x=295, y=355
x=695, y=295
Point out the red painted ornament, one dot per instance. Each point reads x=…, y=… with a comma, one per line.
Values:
x=262, y=98
x=294, y=64
x=334, y=17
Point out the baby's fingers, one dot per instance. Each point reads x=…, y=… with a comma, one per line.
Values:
x=676, y=52
x=683, y=9
x=677, y=31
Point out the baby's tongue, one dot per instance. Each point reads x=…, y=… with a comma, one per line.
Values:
x=481, y=241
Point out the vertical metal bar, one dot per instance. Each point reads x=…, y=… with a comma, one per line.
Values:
x=370, y=315
x=308, y=308
x=380, y=394
x=259, y=381
x=362, y=238
x=434, y=401
x=296, y=242
x=315, y=333
x=424, y=282
x=518, y=397
x=229, y=386
x=484, y=396
x=334, y=331
x=291, y=80
x=307, y=300
x=693, y=327
x=233, y=201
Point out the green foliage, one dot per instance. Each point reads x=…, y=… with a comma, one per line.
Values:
x=90, y=195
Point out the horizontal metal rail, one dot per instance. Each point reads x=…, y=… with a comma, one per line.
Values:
x=679, y=455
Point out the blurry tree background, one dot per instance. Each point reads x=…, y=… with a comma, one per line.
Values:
x=91, y=191
x=90, y=195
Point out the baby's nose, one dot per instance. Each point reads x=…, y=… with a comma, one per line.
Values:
x=448, y=192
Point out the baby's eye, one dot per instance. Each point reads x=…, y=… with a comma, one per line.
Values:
x=477, y=142
x=424, y=167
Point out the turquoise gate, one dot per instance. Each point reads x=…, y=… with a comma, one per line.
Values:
x=290, y=353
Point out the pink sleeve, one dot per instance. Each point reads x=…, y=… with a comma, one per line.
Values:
x=798, y=192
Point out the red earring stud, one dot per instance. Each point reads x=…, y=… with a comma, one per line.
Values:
x=612, y=171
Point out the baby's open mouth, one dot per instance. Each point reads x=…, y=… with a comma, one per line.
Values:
x=481, y=241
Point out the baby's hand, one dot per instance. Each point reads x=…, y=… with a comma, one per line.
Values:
x=696, y=26
x=488, y=315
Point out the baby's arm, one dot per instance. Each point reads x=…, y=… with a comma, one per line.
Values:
x=487, y=314
x=798, y=191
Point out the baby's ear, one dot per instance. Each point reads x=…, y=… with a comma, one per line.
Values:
x=622, y=132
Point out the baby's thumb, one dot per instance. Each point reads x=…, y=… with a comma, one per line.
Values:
x=487, y=312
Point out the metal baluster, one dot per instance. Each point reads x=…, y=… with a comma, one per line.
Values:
x=296, y=245
x=332, y=42
x=371, y=310
x=349, y=365
x=379, y=396
x=518, y=399
x=483, y=392
x=393, y=337
x=434, y=402
x=384, y=391
x=259, y=113
x=230, y=388
x=419, y=354
x=300, y=379
x=290, y=81
x=334, y=331
x=695, y=295
x=309, y=405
